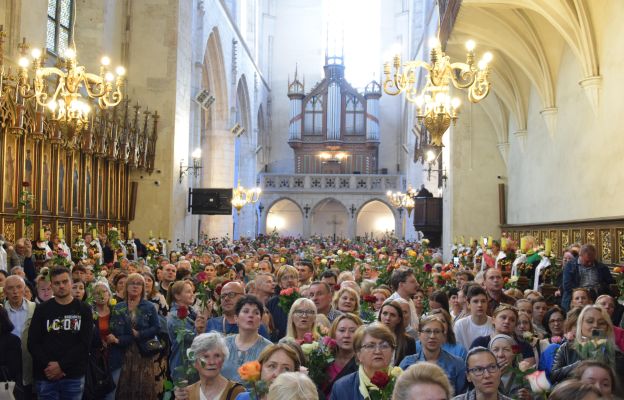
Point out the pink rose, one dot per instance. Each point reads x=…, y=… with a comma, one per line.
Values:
x=556, y=339
x=308, y=338
x=329, y=342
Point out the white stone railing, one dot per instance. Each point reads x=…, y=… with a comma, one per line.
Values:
x=341, y=183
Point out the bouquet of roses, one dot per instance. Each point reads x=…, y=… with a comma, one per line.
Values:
x=320, y=354
x=383, y=384
x=367, y=312
x=597, y=348
x=250, y=375
x=287, y=298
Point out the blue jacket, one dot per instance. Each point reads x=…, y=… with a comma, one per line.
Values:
x=280, y=319
x=175, y=325
x=572, y=280
x=452, y=365
x=121, y=325
x=347, y=388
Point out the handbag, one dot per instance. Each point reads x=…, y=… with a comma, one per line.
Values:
x=6, y=386
x=150, y=347
x=98, y=378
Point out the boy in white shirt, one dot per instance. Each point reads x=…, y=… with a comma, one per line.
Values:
x=478, y=323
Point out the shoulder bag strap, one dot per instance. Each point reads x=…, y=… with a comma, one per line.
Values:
x=231, y=390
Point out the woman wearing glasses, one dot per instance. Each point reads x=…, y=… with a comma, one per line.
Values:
x=287, y=277
x=432, y=337
x=302, y=319
x=504, y=320
x=593, y=324
x=210, y=354
x=374, y=345
x=483, y=372
x=247, y=344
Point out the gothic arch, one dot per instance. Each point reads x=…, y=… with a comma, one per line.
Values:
x=285, y=216
x=375, y=218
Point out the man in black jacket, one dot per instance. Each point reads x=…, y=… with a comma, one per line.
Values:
x=58, y=340
x=585, y=272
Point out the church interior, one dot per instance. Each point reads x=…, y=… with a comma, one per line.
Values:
x=213, y=118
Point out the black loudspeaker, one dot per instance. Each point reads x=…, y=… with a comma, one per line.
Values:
x=210, y=201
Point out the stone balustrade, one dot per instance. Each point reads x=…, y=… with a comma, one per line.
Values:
x=331, y=183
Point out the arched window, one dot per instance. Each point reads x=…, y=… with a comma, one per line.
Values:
x=354, y=116
x=313, y=123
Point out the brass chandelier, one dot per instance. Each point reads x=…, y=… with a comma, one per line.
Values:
x=241, y=197
x=434, y=106
x=400, y=201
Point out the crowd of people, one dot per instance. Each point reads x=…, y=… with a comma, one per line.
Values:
x=287, y=318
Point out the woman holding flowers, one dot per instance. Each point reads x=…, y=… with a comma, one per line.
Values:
x=154, y=295
x=502, y=346
x=342, y=331
x=181, y=329
x=392, y=316
x=373, y=345
x=594, y=340
x=258, y=375
x=209, y=353
x=134, y=322
x=302, y=319
x=247, y=344
x=347, y=300
x=102, y=335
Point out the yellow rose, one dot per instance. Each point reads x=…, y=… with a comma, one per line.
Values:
x=411, y=253
x=112, y=302
x=395, y=372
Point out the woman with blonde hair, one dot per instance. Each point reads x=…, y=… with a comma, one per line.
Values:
x=292, y=386
x=347, y=300
x=593, y=324
x=134, y=323
x=302, y=319
x=422, y=380
x=287, y=278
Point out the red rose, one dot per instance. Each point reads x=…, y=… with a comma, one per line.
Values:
x=202, y=277
x=369, y=299
x=428, y=267
x=183, y=312
x=516, y=349
x=336, y=287
x=26, y=184
x=380, y=379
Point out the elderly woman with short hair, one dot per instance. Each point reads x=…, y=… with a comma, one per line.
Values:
x=209, y=352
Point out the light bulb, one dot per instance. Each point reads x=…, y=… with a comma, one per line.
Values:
x=487, y=57
x=420, y=101
x=470, y=45
x=196, y=153
x=35, y=53
x=455, y=102
x=70, y=53
x=52, y=105
x=434, y=42
x=105, y=61
x=109, y=77
x=121, y=71
x=23, y=62
x=482, y=64
x=430, y=156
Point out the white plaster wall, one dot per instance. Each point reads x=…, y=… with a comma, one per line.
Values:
x=574, y=174
x=323, y=215
x=297, y=42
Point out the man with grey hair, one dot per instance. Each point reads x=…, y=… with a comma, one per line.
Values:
x=586, y=272
x=20, y=313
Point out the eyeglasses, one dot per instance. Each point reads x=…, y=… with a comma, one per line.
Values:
x=555, y=321
x=301, y=313
x=230, y=295
x=383, y=346
x=432, y=332
x=478, y=371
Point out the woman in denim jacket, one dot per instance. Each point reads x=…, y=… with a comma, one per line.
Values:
x=134, y=321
